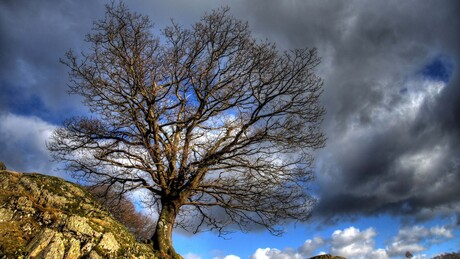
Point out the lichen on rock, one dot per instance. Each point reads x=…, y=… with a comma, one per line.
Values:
x=79, y=226
x=73, y=250
x=46, y=217
x=109, y=243
x=40, y=242
x=6, y=215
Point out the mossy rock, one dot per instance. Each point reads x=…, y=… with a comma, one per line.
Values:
x=47, y=217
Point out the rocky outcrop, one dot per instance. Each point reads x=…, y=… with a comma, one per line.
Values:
x=46, y=217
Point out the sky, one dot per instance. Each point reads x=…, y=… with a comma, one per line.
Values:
x=388, y=179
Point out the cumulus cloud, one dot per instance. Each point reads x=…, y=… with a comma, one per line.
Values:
x=23, y=141
x=191, y=256
x=309, y=247
x=354, y=243
x=304, y=251
x=273, y=253
x=228, y=257
x=349, y=242
x=417, y=239
x=442, y=232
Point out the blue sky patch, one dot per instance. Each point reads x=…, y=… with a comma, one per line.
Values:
x=439, y=69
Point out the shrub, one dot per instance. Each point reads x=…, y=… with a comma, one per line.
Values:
x=2, y=166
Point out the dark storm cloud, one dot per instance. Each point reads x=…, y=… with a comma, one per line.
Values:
x=33, y=84
x=392, y=102
x=34, y=35
x=392, y=90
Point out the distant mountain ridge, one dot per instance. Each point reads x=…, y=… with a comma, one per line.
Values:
x=327, y=256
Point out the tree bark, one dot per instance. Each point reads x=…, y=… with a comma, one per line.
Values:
x=162, y=238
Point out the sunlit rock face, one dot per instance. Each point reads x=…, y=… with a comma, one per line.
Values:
x=47, y=217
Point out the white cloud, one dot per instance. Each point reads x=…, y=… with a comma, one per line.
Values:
x=23, y=140
x=22, y=129
x=311, y=245
x=263, y=253
x=353, y=243
x=232, y=257
x=400, y=248
x=191, y=256
x=378, y=254
x=350, y=243
x=411, y=234
x=441, y=232
x=218, y=254
x=227, y=257
x=304, y=251
x=273, y=253
x=412, y=238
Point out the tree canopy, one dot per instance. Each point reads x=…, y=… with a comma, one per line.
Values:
x=215, y=126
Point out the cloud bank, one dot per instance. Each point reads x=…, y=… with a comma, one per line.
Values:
x=393, y=101
x=354, y=243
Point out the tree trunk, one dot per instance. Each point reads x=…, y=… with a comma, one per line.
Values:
x=162, y=238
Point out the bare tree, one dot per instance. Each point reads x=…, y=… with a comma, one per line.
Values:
x=216, y=126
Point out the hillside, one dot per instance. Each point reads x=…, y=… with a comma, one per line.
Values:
x=46, y=217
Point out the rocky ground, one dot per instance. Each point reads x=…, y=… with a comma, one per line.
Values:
x=46, y=217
